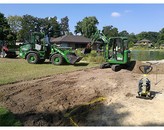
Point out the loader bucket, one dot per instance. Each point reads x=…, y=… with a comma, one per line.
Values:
x=73, y=58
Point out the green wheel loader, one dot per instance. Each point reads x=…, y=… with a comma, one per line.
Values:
x=39, y=48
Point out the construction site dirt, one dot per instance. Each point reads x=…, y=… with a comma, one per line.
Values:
x=88, y=97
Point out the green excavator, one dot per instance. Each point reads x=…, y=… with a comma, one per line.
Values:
x=115, y=51
x=39, y=48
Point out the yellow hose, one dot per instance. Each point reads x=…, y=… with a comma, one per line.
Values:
x=68, y=115
x=72, y=121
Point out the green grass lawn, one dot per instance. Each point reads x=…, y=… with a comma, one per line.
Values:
x=12, y=70
x=7, y=118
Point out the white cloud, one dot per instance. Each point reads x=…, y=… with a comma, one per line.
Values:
x=115, y=14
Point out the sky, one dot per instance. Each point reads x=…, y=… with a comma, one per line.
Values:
x=134, y=18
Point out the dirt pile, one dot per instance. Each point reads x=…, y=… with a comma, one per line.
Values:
x=158, y=67
x=72, y=99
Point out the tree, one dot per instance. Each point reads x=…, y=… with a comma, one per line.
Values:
x=78, y=28
x=4, y=27
x=31, y=23
x=161, y=37
x=64, y=26
x=161, y=31
x=152, y=36
x=123, y=33
x=87, y=27
x=132, y=39
x=110, y=31
x=56, y=26
x=70, y=33
x=142, y=35
x=5, y=32
x=15, y=23
x=28, y=24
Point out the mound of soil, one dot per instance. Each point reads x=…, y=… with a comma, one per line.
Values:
x=72, y=99
x=158, y=67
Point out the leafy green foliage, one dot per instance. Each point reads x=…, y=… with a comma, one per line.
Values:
x=161, y=37
x=7, y=118
x=19, y=27
x=87, y=27
x=152, y=36
x=132, y=39
x=64, y=25
x=123, y=33
x=56, y=26
x=5, y=32
x=15, y=23
x=30, y=23
x=110, y=31
x=91, y=57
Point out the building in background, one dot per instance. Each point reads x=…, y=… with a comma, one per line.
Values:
x=74, y=41
x=144, y=42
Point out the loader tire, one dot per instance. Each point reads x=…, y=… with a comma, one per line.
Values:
x=32, y=58
x=57, y=59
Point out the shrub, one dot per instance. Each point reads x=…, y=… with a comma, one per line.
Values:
x=91, y=57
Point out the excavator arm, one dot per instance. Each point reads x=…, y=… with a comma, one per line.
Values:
x=97, y=36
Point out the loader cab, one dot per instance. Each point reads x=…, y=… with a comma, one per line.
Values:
x=41, y=43
x=38, y=44
x=36, y=41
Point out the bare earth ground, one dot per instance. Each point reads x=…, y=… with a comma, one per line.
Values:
x=46, y=101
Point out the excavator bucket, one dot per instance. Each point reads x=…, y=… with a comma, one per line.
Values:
x=73, y=58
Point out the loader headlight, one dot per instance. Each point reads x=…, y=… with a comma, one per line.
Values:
x=20, y=54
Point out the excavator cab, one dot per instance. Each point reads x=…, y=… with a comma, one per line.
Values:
x=116, y=53
x=118, y=46
x=115, y=50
